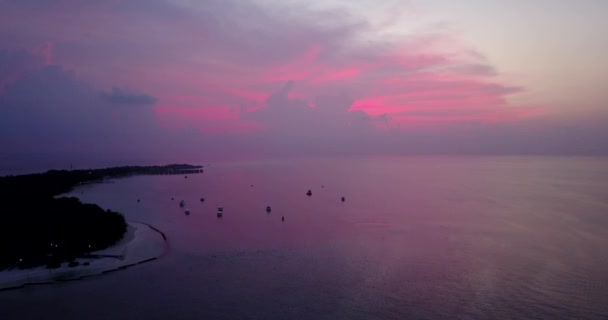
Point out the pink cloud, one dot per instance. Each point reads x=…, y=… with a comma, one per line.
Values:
x=217, y=69
x=199, y=64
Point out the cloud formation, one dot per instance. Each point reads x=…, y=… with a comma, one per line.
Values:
x=47, y=109
x=235, y=77
x=229, y=54
x=13, y=63
x=122, y=96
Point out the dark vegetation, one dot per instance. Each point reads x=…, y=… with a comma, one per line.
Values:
x=36, y=228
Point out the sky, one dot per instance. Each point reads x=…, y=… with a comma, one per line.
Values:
x=238, y=79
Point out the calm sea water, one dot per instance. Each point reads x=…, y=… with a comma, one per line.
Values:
x=416, y=238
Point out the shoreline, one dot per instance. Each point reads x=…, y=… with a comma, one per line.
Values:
x=141, y=243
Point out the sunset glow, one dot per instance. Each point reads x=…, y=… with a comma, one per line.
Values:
x=338, y=72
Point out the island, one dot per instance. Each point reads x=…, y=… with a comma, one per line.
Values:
x=40, y=229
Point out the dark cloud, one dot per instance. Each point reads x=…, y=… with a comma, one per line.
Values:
x=14, y=63
x=47, y=109
x=11, y=61
x=122, y=96
x=286, y=116
x=292, y=126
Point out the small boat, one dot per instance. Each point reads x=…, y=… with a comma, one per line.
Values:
x=202, y=199
x=220, y=211
x=182, y=204
x=343, y=199
x=268, y=209
x=309, y=193
x=187, y=211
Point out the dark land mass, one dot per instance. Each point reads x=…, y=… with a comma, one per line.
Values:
x=37, y=228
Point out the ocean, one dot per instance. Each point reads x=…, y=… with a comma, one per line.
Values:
x=416, y=238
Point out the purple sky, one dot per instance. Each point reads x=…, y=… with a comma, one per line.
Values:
x=172, y=79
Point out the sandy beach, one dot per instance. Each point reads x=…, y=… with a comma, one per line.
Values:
x=140, y=244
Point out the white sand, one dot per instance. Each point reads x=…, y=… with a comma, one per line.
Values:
x=141, y=243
